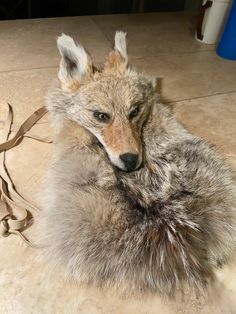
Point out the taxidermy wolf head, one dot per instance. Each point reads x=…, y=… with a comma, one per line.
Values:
x=112, y=104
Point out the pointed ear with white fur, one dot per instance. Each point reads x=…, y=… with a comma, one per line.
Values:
x=117, y=60
x=76, y=64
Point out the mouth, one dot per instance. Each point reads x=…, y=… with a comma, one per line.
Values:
x=125, y=163
x=129, y=171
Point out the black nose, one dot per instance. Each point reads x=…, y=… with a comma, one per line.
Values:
x=129, y=160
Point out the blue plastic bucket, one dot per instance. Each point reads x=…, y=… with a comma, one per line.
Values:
x=227, y=45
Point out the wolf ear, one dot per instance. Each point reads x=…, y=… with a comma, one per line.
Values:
x=117, y=60
x=75, y=64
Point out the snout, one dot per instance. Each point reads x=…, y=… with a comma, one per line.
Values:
x=123, y=145
x=130, y=161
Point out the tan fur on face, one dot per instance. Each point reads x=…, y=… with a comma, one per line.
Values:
x=122, y=138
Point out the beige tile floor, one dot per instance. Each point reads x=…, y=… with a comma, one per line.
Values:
x=200, y=86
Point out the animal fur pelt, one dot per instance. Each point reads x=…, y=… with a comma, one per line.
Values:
x=169, y=222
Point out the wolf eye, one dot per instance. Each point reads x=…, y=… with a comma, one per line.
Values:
x=134, y=113
x=101, y=116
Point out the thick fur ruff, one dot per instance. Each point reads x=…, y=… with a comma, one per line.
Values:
x=170, y=222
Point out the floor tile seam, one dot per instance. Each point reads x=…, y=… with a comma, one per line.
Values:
x=198, y=97
x=29, y=69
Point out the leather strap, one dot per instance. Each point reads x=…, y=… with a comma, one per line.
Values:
x=25, y=127
x=14, y=208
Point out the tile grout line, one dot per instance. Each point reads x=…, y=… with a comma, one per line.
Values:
x=173, y=53
x=153, y=55
x=107, y=38
x=198, y=97
x=28, y=69
x=132, y=57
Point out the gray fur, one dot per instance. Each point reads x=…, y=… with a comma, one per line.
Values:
x=171, y=222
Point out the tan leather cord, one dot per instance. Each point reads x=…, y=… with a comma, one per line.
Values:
x=13, y=207
x=25, y=127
